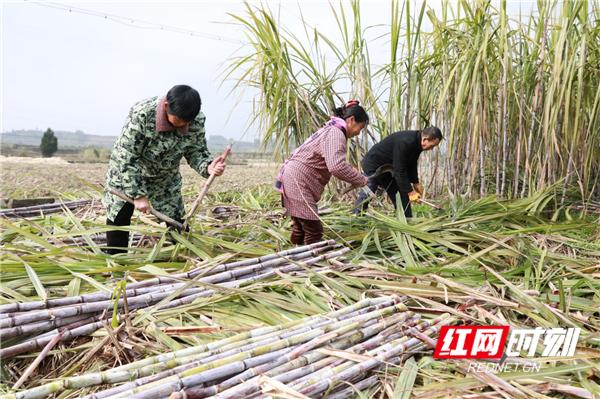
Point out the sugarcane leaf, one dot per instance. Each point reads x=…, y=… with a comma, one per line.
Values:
x=354, y=357
x=89, y=280
x=589, y=384
x=154, y=270
x=273, y=387
x=74, y=287
x=27, y=234
x=406, y=380
x=163, y=338
x=86, y=236
x=115, y=313
x=188, y=245
x=35, y=280
x=6, y=291
x=156, y=249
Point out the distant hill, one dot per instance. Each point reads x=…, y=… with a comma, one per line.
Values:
x=65, y=139
x=79, y=139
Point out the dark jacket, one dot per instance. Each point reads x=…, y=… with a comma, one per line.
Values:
x=402, y=150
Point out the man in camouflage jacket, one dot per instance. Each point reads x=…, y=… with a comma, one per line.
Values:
x=145, y=160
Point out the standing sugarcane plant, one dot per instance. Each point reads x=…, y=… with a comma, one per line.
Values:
x=518, y=98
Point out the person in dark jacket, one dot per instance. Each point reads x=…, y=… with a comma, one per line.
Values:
x=402, y=151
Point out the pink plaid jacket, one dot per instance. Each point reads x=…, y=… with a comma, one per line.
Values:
x=307, y=172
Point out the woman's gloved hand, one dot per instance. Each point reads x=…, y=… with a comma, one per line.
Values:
x=368, y=191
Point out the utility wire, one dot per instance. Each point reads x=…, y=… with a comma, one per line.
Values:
x=134, y=22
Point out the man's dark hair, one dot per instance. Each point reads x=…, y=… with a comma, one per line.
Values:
x=184, y=102
x=432, y=133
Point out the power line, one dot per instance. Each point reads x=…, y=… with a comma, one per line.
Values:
x=134, y=22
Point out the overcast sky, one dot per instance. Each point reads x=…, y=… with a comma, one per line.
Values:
x=76, y=71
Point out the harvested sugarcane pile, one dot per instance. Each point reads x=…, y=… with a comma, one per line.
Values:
x=29, y=326
x=98, y=239
x=46, y=209
x=487, y=261
x=338, y=352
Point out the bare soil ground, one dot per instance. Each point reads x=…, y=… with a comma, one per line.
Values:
x=42, y=177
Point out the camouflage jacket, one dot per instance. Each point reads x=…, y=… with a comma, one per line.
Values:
x=145, y=162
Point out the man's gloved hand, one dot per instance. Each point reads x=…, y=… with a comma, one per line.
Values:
x=418, y=187
x=414, y=196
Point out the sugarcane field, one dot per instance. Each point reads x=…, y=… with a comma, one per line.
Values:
x=383, y=199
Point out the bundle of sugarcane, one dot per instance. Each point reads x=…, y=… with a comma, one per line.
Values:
x=310, y=355
x=98, y=239
x=40, y=210
x=29, y=326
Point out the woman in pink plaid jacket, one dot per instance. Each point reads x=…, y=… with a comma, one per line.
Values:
x=305, y=174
